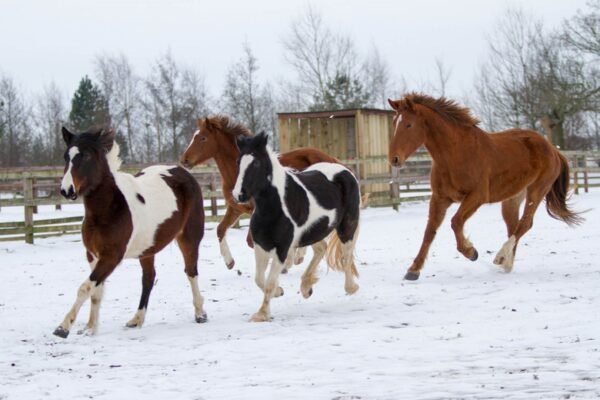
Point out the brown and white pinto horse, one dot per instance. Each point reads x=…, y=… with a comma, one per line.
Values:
x=129, y=217
x=472, y=167
x=216, y=138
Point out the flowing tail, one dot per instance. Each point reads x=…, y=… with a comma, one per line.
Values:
x=556, y=199
x=334, y=254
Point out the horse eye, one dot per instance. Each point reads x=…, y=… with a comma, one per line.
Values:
x=408, y=125
x=203, y=139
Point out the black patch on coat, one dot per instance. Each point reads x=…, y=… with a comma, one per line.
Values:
x=140, y=198
x=296, y=201
x=316, y=232
x=270, y=227
x=328, y=199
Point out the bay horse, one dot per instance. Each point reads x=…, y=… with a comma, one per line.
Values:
x=129, y=217
x=297, y=209
x=472, y=167
x=216, y=139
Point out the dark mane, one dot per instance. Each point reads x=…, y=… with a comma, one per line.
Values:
x=230, y=127
x=446, y=108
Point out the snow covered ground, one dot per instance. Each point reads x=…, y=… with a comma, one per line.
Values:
x=463, y=331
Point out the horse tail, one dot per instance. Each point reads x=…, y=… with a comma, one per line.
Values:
x=557, y=197
x=334, y=254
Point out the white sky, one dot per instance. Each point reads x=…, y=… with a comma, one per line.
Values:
x=45, y=40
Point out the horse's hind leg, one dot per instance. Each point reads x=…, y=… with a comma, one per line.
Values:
x=510, y=212
x=437, y=211
x=188, y=242
x=350, y=271
x=231, y=215
x=309, y=277
x=148, y=276
x=506, y=255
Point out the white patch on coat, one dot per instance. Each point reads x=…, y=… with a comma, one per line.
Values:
x=315, y=211
x=245, y=161
x=67, y=180
x=112, y=157
x=159, y=205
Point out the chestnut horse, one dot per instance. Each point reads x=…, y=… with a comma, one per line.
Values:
x=472, y=167
x=129, y=217
x=216, y=138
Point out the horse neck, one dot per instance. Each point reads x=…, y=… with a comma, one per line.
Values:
x=98, y=202
x=226, y=159
x=279, y=176
x=442, y=140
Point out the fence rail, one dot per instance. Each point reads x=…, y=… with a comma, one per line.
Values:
x=33, y=187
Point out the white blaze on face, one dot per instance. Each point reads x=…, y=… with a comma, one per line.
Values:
x=193, y=138
x=398, y=120
x=67, y=180
x=245, y=161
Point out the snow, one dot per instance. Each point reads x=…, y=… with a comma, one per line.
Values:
x=465, y=330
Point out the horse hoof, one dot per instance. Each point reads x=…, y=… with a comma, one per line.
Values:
x=61, y=332
x=299, y=261
x=284, y=271
x=310, y=292
x=230, y=264
x=412, y=276
x=259, y=317
x=475, y=255
x=131, y=325
x=279, y=292
x=202, y=319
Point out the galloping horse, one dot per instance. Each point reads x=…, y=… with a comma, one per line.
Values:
x=129, y=217
x=297, y=209
x=216, y=138
x=472, y=167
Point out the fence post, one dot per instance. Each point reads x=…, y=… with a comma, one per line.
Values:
x=213, y=200
x=28, y=194
x=576, y=181
x=56, y=193
x=34, y=194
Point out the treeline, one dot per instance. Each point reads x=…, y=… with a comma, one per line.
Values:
x=547, y=80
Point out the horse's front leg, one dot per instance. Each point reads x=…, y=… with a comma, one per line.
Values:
x=88, y=288
x=231, y=215
x=91, y=327
x=437, y=210
x=466, y=209
x=271, y=289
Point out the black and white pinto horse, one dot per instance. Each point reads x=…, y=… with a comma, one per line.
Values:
x=297, y=209
x=129, y=217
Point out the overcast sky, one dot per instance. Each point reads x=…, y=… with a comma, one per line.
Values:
x=56, y=40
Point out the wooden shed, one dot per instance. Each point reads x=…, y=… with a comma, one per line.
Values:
x=359, y=137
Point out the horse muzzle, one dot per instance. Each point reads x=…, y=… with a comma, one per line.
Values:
x=69, y=194
x=396, y=162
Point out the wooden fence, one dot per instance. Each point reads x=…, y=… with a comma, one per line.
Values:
x=34, y=187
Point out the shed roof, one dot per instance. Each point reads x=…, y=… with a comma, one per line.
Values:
x=334, y=114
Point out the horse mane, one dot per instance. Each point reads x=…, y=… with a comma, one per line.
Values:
x=448, y=109
x=113, y=159
x=230, y=127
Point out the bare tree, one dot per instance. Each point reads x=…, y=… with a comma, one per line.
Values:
x=443, y=74
x=582, y=32
x=317, y=55
x=245, y=97
x=377, y=79
x=122, y=87
x=15, y=131
x=50, y=114
x=175, y=97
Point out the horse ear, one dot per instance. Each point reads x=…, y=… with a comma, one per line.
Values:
x=67, y=136
x=262, y=139
x=393, y=104
x=208, y=123
x=409, y=104
x=241, y=142
x=107, y=138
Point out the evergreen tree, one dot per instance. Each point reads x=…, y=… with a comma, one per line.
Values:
x=341, y=92
x=88, y=107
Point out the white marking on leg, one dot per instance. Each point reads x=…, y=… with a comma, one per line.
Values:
x=91, y=327
x=506, y=255
x=197, y=298
x=225, y=252
x=271, y=287
x=350, y=284
x=85, y=290
x=262, y=261
x=138, y=319
x=299, y=255
x=67, y=180
x=245, y=161
x=309, y=277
